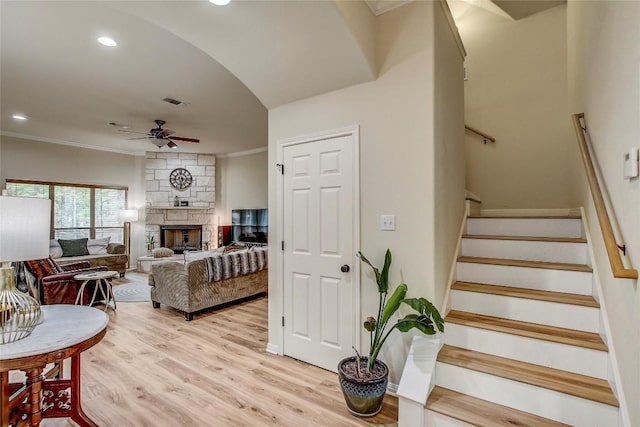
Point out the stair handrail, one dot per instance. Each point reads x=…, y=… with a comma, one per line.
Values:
x=617, y=267
x=484, y=136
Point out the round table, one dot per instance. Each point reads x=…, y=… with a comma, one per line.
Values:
x=66, y=332
x=102, y=281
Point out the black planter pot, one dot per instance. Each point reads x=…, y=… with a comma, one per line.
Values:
x=363, y=396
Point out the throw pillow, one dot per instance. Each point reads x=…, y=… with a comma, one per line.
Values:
x=233, y=248
x=98, y=246
x=41, y=267
x=190, y=256
x=74, y=247
x=55, y=250
x=162, y=252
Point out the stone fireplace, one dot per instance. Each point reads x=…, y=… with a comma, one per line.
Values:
x=193, y=219
x=180, y=238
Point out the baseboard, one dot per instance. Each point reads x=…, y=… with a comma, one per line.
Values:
x=392, y=389
x=273, y=348
x=531, y=212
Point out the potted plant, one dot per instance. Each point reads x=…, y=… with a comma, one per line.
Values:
x=364, y=379
x=151, y=243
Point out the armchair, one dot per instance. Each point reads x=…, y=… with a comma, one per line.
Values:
x=54, y=284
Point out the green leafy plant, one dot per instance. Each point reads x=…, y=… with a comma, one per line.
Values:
x=151, y=241
x=426, y=317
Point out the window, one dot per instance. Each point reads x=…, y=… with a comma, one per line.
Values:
x=78, y=211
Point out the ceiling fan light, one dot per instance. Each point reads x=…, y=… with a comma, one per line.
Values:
x=159, y=142
x=107, y=41
x=20, y=117
x=220, y=2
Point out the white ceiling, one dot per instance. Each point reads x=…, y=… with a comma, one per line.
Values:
x=70, y=87
x=230, y=64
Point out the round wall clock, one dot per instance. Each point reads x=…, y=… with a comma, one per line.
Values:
x=180, y=179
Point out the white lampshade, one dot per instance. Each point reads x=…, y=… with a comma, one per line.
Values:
x=128, y=215
x=24, y=228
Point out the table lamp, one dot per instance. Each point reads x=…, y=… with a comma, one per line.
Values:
x=24, y=235
x=128, y=216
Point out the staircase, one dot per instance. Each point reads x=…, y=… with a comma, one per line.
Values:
x=522, y=341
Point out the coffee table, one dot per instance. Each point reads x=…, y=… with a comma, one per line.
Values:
x=102, y=284
x=67, y=331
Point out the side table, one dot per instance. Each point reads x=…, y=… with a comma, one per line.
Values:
x=67, y=331
x=102, y=281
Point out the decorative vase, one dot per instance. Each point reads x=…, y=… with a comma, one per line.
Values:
x=363, y=396
x=19, y=312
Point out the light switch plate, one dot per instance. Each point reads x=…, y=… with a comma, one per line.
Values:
x=387, y=222
x=631, y=164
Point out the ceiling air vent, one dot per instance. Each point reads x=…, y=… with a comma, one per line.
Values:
x=174, y=101
x=119, y=125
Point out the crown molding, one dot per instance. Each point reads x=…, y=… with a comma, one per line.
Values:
x=378, y=7
x=71, y=144
x=242, y=153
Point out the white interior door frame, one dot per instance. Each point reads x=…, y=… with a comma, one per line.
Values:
x=354, y=132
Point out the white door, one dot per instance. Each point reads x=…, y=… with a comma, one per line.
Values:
x=319, y=206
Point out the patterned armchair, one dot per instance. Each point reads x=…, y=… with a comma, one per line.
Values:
x=54, y=284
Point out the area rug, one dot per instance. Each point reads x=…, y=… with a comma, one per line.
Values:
x=132, y=292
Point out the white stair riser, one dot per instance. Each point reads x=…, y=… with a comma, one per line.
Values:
x=539, y=227
x=579, y=360
x=528, y=310
x=573, y=282
x=575, y=253
x=525, y=397
x=436, y=419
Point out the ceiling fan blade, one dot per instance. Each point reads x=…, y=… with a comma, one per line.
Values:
x=172, y=144
x=182, y=138
x=142, y=137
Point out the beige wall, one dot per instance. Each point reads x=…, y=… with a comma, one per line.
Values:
x=449, y=155
x=517, y=92
x=398, y=170
x=35, y=160
x=241, y=183
x=604, y=75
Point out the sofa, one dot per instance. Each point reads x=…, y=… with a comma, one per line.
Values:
x=205, y=283
x=98, y=253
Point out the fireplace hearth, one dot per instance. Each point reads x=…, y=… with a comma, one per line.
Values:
x=180, y=238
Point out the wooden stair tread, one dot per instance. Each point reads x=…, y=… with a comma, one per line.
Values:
x=527, y=329
x=528, y=264
x=525, y=217
x=482, y=413
x=535, y=294
x=525, y=238
x=590, y=388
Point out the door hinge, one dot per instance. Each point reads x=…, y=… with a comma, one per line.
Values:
x=281, y=167
x=283, y=321
x=282, y=245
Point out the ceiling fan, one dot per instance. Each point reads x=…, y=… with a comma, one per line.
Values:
x=161, y=137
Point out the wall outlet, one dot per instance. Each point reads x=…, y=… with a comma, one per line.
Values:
x=387, y=222
x=631, y=164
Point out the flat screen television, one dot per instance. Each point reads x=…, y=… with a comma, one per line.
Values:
x=248, y=226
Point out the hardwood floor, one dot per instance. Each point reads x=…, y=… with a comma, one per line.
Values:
x=155, y=369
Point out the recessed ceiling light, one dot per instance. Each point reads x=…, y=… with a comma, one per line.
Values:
x=107, y=41
x=220, y=2
x=19, y=117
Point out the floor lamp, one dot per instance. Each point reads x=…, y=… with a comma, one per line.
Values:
x=128, y=216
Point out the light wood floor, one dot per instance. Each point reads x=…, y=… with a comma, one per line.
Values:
x=154, y=369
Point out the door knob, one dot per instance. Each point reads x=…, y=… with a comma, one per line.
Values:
x=345, y=268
